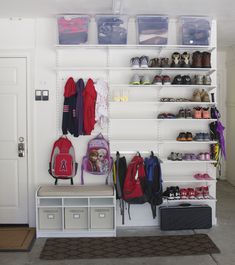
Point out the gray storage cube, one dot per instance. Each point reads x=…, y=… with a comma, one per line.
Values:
x=102, y=218
x=50, y=218
x=76, y=218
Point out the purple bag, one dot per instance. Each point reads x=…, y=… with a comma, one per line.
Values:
x=97, y=160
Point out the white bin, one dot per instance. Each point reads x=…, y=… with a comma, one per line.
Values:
x=102, y=218
x=50, y=219
x=76, y=218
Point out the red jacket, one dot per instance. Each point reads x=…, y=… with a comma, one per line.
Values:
x=89, y=101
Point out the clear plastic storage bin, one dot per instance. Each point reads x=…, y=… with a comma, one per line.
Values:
x=112, y=29
x=152, y=30
x=73, y=29
x=195, y=30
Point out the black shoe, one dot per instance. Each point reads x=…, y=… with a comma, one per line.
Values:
x=186, y=80
x=176, y=193
x=177, y=80
x=169, y=193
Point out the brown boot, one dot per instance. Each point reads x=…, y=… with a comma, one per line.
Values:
x=206, y=60
x=197, y=59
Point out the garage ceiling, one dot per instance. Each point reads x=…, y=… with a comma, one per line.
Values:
x=222, y=10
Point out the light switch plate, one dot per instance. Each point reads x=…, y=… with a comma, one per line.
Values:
x=45, y=94
x=38, y=94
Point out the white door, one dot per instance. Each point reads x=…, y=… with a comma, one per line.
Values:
x=13, y=168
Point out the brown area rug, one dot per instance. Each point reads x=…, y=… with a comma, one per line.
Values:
x=16, y=239
x=126, y=247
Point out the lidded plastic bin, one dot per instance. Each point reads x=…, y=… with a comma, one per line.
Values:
x=195, y=30
x=152, y=30
x=72, y=29
x=112, y=29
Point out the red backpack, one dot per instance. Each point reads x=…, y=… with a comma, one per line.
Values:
x=62, y=163
x=133, y=189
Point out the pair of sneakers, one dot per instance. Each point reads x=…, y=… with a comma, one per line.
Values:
x=182, y=80
x=161, y=80
x=200, y=96
x=204, y=156
x=185, y=136
x=185, y=114
x=139, y=62
x=172, y=193
x=202, y=137
x=197, y=193
x=204, y=176
x=202, y=80
x=175, y=156
x=201, y=113
x=140, y=80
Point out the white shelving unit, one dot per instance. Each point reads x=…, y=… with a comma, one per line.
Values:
x=75, y=215
x=133, y=124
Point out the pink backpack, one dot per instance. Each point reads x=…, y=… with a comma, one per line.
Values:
x=62, y=162
x=97, y=160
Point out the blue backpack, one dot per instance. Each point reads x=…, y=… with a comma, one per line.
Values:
x=153, y=189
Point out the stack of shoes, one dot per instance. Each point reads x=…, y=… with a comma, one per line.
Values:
x=200, y=96
x=182, y=80
x=201, y=60
x=175, y=156
x=201, y=113
x=139, y=62
x=140, y=80
x=182, y=137
x=172, y=193
x=202, y=80
x=202, y=137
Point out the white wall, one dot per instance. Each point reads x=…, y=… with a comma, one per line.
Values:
x=38, y=36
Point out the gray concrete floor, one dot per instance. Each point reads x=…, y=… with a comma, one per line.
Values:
x=223, y=235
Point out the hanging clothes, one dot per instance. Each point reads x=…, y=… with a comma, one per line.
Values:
x=101, y=107
x=89, y=100
x=68, y=120
x=79, y=108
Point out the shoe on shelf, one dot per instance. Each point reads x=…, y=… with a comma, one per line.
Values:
x=206, y=137
x=177, y=80
x=207, y=156
x=175, y=59
x=154, y=63
x=181, y=136
x=201, y=156
x=170, y=116
x=135, y=80
x=191, y=193
x=205, y=96
x=185, y=60
x=187, y=157
x=197, y=59
x=161, y=116
x=176, y=193
x=183, y=194
x=157, y=80
x=135, y=62
x=189, y=136
x=196, y=96
x=199, y=193
x=144, y=80
x=199, y=137
x=197, y=114
x=144, y=61
x=206, y=80
x=206, y=176
x=172, y=156
x=198, y=80
x=186, y=80
x=181, y=114
x=166, y=80
x=205, y=191
x=179, y=156
x=164, y=62
x=198, y=176
x=169, y=193
x=193, y=157
x=206, y=60
x=188, y=114
x=206, y=113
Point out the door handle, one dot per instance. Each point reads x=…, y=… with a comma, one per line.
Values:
x=21, y=150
